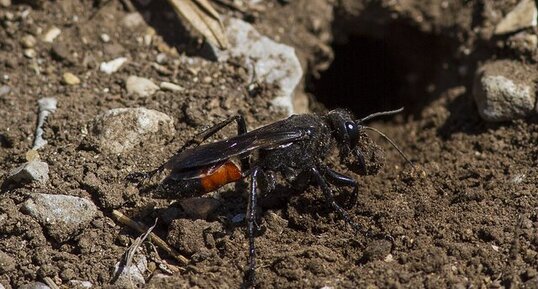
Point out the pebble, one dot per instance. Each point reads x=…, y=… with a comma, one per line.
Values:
x=4, y=90
x=62, y=215
x=51, y=34
x=5, y=3
x=121, y=129
x=70, y=79
x=132, y=20
x=32, y=171
x=29, y=53
x=524, y=15
x=270, y=61
x=34, y=285
x=28, y=41
x=105, y=37
x=7, y=263
x=171, y=86
x=113, y=65
x=132, y=276
x=198, y=207
x=504, y=90
x=140, y=86
x=161, y=58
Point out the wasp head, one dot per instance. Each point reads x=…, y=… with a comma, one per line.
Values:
x=357, y=151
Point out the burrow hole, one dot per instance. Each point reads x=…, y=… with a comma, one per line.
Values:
x=372, y=73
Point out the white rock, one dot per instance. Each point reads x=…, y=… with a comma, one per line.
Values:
x=504, y=90
x=33, y=171
x=140, y=86
x=51, y=34
x=171, y=86
x=105, y=38
x=524, y=15
x=62, y=215
x=113, y=65
x=121, y=129
x=29, y=53
x=270, y=61
x=126, y=277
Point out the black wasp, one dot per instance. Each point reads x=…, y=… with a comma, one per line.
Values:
x=296, y=147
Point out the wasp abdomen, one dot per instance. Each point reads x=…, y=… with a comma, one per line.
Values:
x=216, y=177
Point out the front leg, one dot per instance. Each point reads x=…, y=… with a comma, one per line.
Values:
x=330, y=199
x=339, y=179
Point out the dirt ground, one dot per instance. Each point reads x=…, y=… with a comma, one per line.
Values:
x=466, y=217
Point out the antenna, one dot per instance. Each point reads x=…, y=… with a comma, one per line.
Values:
x=381, y=113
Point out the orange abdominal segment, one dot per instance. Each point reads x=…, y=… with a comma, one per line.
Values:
x=226, y=173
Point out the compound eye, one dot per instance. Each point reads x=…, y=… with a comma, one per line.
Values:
x=353, y=133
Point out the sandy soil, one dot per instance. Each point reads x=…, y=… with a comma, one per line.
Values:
x=465, y=218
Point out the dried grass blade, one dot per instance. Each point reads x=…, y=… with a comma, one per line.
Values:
x=203, y=17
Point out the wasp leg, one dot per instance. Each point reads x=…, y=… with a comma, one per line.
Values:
x=251, y=223
x=330, y=199
x=204, y=135
x=339, y=179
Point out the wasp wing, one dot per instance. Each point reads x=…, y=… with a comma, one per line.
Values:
x=219, y=151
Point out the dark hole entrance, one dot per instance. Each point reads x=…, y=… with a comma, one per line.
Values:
x=364, y=78
x=399, y=66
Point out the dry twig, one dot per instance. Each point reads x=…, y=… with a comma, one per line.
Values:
x=154, y=238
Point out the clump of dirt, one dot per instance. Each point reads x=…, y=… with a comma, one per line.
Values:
x=465, y=216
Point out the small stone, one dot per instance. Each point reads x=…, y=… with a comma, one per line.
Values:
x=28, y=41
x=61, y=52
x=4, y=90
x=105, y=38
x=275, y=222
x=34, y=285
x=7, y=263
x=5, y=3
x=161, y=58
x=51, y=34
x=524, y=15
x=32, y=155
x=140, y=86
x=113, y=65
x=63, y=216
x=198, y=207
x=29, y=53
x=121, y=129
x=132, y=20
x=171, y=86
x=32, y=171
x=132, y=276
x=70, y=79
x=505, y=90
